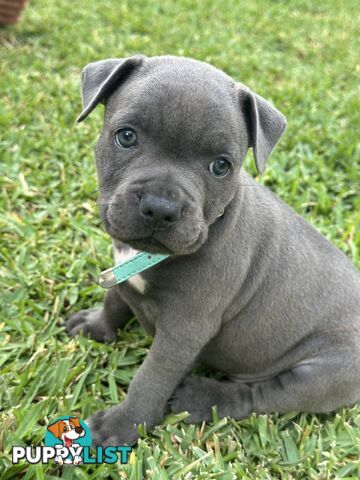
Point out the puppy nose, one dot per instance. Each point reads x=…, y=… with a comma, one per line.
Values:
x=79, y=429
x=159, y=212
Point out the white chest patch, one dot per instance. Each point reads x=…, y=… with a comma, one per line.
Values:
x=137, y=281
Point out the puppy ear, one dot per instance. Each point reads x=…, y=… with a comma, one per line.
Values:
x=99, y=80
x=55, y=429
x=75, y=421
x=265, y=127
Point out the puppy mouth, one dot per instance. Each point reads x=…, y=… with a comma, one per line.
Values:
x=152, y=244
x=154, y=240
x=148, y=244
x=68, y=441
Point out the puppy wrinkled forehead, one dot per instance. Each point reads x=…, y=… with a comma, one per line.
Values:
x=167, y=83
x=176, y=102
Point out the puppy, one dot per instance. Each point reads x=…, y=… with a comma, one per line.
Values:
x=249, y=288
x=67, y=431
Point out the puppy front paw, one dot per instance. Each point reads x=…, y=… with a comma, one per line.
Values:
x=77, y=460
x=112, y=427
x=90, y=323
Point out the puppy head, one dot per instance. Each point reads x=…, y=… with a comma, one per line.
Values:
x=175, y=135
x=67, y=430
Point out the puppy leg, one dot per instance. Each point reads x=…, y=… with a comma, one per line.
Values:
x=101, y=324
x=321, y=385
x=172, y=354
x=197, y=395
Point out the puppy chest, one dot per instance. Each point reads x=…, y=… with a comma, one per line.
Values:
x=144, y=309
x=137, y=282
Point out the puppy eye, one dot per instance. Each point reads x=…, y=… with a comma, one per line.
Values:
x=65, y=429
x=220, y=167
x=126, y=138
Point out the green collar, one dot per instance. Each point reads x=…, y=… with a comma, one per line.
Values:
x=122, y=272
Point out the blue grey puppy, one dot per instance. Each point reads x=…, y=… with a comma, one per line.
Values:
x=250, y=289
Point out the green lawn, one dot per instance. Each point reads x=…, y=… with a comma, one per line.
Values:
x=301, y=55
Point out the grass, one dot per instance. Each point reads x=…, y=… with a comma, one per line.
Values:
x=301, y=55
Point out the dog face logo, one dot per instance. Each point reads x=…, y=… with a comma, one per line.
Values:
x=68, y=442
x=70, y=433
x=67, y=430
